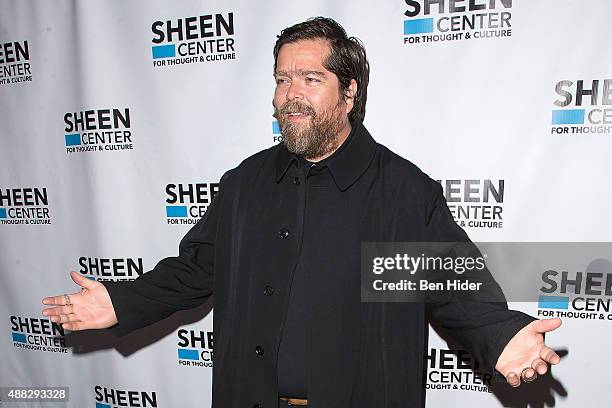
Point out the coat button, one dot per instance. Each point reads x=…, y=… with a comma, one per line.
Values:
x=296, y=181
x=283, y=233
x=259, y=350
x=268, y=290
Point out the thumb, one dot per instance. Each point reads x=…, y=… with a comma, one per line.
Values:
x=82, y=281
x=546, y=325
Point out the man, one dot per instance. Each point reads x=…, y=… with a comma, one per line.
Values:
x=280, y=249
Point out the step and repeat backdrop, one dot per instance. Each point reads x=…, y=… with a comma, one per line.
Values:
x=118, y=118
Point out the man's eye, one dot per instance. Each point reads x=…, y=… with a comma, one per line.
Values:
x=311, y=79
x=280, y=81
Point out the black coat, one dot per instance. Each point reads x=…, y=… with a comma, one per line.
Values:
x=245, y=248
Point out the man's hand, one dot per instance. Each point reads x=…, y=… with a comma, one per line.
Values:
x=525, y=356
x=91, y=308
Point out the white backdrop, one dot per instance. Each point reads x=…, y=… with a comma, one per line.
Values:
x=469, y=111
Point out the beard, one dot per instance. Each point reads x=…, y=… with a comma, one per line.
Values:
x=314, y=139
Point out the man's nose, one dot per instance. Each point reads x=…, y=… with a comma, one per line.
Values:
x=295, y=91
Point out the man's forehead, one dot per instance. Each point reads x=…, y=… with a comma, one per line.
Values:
x=303, y=55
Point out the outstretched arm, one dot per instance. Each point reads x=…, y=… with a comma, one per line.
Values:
x=181, y=282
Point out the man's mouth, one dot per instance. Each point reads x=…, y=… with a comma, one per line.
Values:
x=297, y=115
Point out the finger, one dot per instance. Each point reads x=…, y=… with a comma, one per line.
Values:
x=547, y=354
x=65, y=318
x=546, y=325
x=55, y=300
x=59, y=310
x=528, y=375
x=539, y=366
x=69, y=318
x=513, y=379
x=74, y=326
x=82, y=281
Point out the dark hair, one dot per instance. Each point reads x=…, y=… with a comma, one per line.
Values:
x=347, y=58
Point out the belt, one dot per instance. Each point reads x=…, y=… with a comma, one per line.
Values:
x=295, y=401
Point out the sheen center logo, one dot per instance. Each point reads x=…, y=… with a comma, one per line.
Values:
x=25, y=205
x=431, y=21
x=106, y=397
x=456, y=370
x=98, y=130
x=110, y=269
x=475, y=203
x=582, y=295
x=189, y=40
x=187, y=203
x=15, y=66
x=36, y=334
x=587, y=107
x=195, y=348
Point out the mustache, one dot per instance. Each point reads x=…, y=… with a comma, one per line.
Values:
x=294, y=107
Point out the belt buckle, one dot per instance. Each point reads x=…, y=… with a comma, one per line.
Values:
x=295, y=401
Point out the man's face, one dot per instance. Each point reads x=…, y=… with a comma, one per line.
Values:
x=307, y=101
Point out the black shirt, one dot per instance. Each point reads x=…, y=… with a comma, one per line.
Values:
x=292, y=357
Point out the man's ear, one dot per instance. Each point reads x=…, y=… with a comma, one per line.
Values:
x=349, y=96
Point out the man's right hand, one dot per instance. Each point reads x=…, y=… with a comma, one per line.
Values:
x=91, y=308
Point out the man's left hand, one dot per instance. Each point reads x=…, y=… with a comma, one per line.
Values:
x=525, y=356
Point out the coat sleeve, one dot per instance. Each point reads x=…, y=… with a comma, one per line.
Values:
x=176, y=283
x=482, y=328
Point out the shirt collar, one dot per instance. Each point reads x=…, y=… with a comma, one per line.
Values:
x=353, y=158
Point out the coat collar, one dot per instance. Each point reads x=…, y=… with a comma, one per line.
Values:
x=347, y=166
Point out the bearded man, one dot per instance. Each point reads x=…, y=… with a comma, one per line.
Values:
x=280, y=249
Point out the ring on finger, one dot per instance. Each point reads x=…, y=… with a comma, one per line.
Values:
x=67, y=297
x=530, y=379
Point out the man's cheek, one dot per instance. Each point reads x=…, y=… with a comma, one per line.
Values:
x=279, y=98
